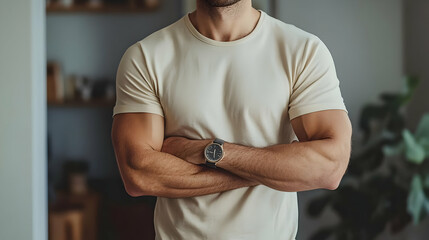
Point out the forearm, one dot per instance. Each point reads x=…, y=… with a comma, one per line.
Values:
x=164, y=175
x=298, y=166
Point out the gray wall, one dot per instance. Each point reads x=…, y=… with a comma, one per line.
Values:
x=365, y=39
x=23, y=206
x=417, y=54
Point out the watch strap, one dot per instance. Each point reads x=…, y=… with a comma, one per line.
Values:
x=210, y=164
x=218, y=141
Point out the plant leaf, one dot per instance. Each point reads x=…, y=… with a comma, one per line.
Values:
x=423, y=127
x=416, y=198
x=424, y=142
x=411, y=84
x=414, y=152
x=393, y=150
x=426, y=205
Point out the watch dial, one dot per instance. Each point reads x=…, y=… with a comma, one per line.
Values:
x=214, y=152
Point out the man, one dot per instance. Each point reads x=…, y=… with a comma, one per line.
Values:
x=207, y=116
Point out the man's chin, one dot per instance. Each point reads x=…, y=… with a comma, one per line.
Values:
x=221, y=3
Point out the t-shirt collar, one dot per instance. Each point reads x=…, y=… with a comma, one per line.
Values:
x=205, y=39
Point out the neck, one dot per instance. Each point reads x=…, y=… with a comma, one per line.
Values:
x=225, y=23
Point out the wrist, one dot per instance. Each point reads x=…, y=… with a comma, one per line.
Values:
x=177, y=146
x=198, y=155
x=192, y=150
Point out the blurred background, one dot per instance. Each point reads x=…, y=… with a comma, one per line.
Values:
x=58, y=60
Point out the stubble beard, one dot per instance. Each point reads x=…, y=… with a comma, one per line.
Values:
x=221, y=3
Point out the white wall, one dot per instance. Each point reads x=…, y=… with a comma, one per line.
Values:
x=365, y=39
x=23, y=205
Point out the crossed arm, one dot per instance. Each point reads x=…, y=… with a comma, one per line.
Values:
x=150, y=165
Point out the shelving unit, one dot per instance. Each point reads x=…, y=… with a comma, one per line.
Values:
x=80, y=130
x=83, y=104
x=126, y=7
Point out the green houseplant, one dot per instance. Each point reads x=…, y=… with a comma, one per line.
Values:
x=387, y=182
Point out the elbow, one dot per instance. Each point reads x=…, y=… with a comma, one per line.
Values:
x=136, y=185
x=134, y=177
x=139, y=189
x=334, y=177
x=333, y=183
x=133, y=193
x=133, y=190
x=338, y=168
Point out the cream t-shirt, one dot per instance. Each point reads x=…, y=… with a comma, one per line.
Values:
x=245, y=92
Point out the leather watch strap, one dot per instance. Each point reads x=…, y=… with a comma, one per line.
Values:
x=218, y=141
x=210, y=164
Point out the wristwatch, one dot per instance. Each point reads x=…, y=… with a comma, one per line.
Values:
x=213, y=152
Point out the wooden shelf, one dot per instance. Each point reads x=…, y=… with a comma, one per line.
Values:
x=98, y=103
x=104, y=8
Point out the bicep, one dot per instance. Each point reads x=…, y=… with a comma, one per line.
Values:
x=137, y=131
x=332, y=124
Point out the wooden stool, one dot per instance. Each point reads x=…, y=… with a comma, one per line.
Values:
x=65, y=209
x=66, y=225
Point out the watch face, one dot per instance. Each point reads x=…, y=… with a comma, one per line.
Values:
x=214, y=152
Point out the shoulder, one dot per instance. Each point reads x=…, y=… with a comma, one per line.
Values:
x=165, y=38
x=161, y=40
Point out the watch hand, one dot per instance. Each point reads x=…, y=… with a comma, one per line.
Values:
x=214, y=153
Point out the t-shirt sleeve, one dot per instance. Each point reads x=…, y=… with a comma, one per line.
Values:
x=316, y=86
x=135, y=89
